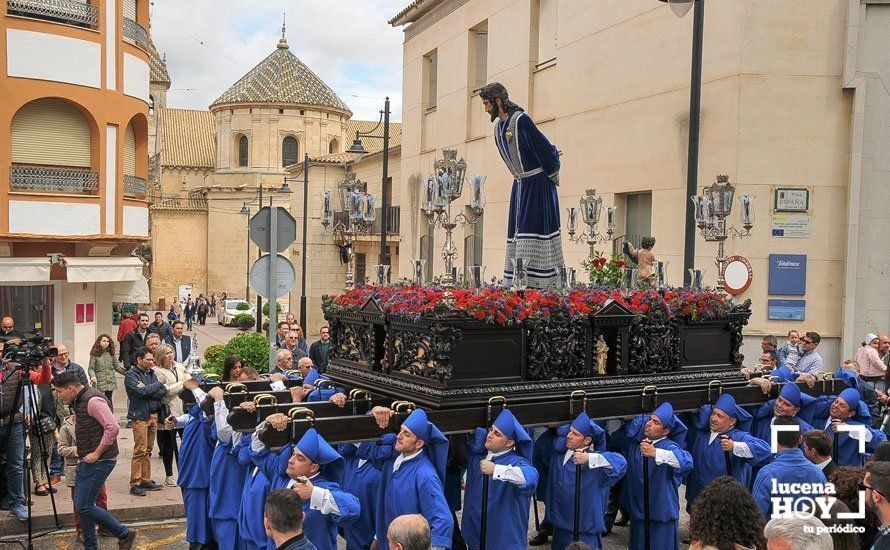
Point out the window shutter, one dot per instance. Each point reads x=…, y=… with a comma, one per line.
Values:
x=129, y=151
x=50, y=132
x=130, y=9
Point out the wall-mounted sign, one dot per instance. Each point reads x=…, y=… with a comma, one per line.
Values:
x=792, y=200
x=791, y=225
x=84, y=313
x=737, y=274
x=787, y=310
x=788, y=274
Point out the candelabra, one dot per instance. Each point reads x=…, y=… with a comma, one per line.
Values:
x=712, y=208
x=358, y=213
x=441, y=191
x=591, y=209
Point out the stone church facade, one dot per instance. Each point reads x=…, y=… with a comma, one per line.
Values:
x=210, y=164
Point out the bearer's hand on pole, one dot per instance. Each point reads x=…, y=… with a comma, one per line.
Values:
x=726, y=443
x=304, y=489
x=338, y=399
x=277, y=421
x=764, y=384
x=277, y=377
x=580, y=458
x=297, y=394
x=248, y=406
x=382, y=415
x=217, y=394
x=170, y=422
x=191, y=384
x=487, y=467
x=808, y=378
x=647, y=448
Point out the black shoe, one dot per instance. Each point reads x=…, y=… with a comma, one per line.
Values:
x=151, y=486
x=137, y=490
x=126, y=543
x=540, y=538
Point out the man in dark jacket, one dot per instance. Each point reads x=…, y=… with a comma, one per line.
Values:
x=161, y=327
x=283, y=520
x=145, y=393
x=318, y=351
x=182, y=345
x=135, y=340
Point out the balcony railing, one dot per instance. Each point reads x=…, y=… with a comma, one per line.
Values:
x=63, y=180
x=133, y=186
x=136, y=33
x=392, y=221
x=72, y=12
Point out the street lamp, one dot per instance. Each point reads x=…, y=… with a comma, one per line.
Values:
x=591, y=210
x=356, y=151
x=358, y=209
x=712, y=208
x=680, y=8
x=245, y=210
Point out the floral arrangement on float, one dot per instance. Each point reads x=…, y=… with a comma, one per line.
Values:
x=502, y=305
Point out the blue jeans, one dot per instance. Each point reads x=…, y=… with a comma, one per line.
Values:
x=55, y=465
x=13, y=438
x=88, y=482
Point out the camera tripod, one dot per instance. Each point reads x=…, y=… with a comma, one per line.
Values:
x=30, y=421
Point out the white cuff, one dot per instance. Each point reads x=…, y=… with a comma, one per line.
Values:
x=182, y=420
x=510, y=474
x=664, y=456
x=855, y=434
x=323, y=501
x=255, y=444
x=278, y=385
x=597, y=460
x=741, y=449
x=199, y=395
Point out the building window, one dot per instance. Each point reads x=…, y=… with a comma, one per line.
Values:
x=129, y=151
x=545, y=34
x=243, y=148
x=638, y=217
x=479, y=56
x=360, y=268
x=51, y=132
x=151, y=105
x=290, y=151
x=430, y=67
x=29, y=305
x=280, y=111
x=333, y=147
x=427, y=253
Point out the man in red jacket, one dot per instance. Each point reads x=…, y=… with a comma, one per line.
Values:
x=128, y=325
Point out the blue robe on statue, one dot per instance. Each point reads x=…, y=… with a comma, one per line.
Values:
x=253, y=497
x=789, y=466
x=664, y=480
x=227, y=473
x=508, y=503
x=709, y=456
x=361, y=479
x=595, y=484
x=533, y=228
x=847, y=445
x=195, y=454
x=416, y=487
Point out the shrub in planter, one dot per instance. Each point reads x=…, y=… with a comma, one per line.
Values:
x=252, y=348
x=244, y=321
x=214, y=356
x=242, y=307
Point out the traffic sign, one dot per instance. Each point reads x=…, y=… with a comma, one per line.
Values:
x=285, y=276
x=261, y=227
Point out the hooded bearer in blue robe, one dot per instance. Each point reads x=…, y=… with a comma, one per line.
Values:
x=722, y=446
x=574, y=446
x=314, y=470
x=656, y=440
x=533, y=228
x=253, y=498
x=504, y=453
x=837, y=415
x=791, y=403
x=361, y=479
x=412, y=466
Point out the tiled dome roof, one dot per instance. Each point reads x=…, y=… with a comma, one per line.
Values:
x=281, y=78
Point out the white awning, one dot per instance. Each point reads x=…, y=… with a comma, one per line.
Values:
x=24, y=270
x=109, y=269
x=133, y=292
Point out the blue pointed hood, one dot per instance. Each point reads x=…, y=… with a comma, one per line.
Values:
x=436, y=444
x=510, y=427
x=665, y=415
x=726, y=403
x=319, y=451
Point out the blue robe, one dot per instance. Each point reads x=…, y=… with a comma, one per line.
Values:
x=848, y=447
x=709, y=456
x=253, y=497
x=508, y=503
x=664, y=482
x=789, y=466
x=541, y=456
x=195, y=454
x=761, y=428
x=320, y=529
x=225, y=502
x=362, y=481
x=595, y=484
x=533, y=227
x=414, y=489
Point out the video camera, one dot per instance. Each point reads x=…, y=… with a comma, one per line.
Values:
x=30, y=351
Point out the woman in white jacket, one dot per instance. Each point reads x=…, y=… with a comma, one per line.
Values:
x=173, y=376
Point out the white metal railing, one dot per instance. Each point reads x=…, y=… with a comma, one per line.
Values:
x=73, y=12
x=134, y=186
x=136, y=33
x=64, y=180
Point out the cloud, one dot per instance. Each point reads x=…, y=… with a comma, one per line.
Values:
x=212, y=43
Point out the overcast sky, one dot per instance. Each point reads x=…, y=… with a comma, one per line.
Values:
x=212, y=43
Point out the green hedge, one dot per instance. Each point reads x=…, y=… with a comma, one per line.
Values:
x=244, y=321
x=251, y=347
x=214, y=356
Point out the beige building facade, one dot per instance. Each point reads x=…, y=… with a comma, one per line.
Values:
x=257, y=134
x=791, y=98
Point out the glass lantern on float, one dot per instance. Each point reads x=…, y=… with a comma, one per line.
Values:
x=712, y=207
x=357, y=216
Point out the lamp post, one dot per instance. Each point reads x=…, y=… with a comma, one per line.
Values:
x=358, y=208
x=357, y=150
x=245, y=210
x=305, y=240
x=591, y=210
x=711, y=209
x=680, y=8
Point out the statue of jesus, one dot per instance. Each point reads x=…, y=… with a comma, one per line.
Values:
x=533, y=227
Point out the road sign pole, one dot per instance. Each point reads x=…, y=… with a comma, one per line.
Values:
x=273, y=283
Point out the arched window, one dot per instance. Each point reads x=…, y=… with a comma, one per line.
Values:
x=151, y=105
x=290, y=151
x=129, y=151
x=51, y=132
x=333, y=147
x=242, y=151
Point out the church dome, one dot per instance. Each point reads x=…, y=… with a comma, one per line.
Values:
x=282, y=79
